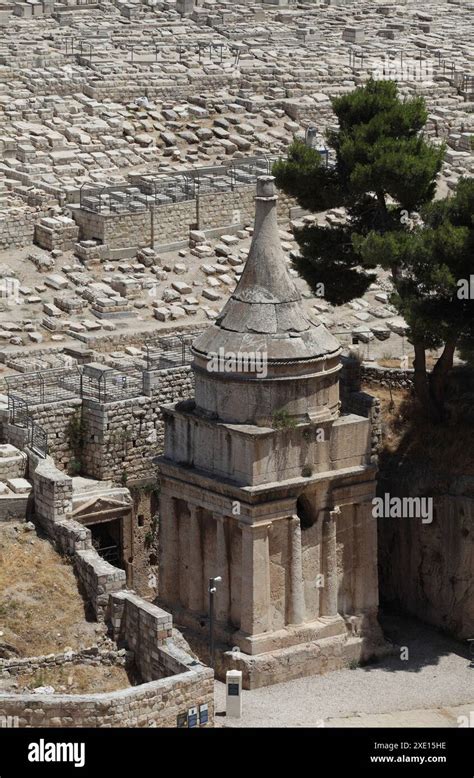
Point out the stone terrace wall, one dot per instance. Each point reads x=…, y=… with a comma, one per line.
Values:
x=142, y=628
x=361, y=403
x=127, y=435
x=168, y=224
x=145, y=628
x=98, y=579
x=93, y=655
x=17, y=229
x=56, y=418
x=154, y=704
x=104, y=342
x=116, y=437
x=53, y=506
x=387, y=376
x=354, y=373
x=171, y=223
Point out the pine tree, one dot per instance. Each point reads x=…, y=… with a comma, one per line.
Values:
x=384, y=171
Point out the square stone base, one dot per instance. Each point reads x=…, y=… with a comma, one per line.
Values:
x=298, y=661
x=291, y=635
x=294, y=652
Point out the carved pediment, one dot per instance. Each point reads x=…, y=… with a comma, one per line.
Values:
x=97, y=505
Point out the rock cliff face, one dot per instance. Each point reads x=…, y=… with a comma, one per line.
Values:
x=428, y=569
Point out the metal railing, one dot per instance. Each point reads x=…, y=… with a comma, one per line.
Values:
x=108, y=553
x=112, y=384
x=170, y=352
x=36, y=436
x=101, y=383
x=153, y=192
x=17, y=411
x=43, y=387
x=38, y=439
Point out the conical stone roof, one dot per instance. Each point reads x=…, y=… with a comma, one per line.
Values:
x=265, y=312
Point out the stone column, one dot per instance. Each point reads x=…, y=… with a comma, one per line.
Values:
x=358, y=582
x=255, y=605
x=329, y=598
x=297, y=604
x=366, y=587
x=169, y=551
x=222, y=569
x=195, y=584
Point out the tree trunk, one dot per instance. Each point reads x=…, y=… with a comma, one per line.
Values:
x=420, y=378
x=439, y=376
x=430, y=389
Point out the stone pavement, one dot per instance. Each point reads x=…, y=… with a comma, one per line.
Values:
x=431, y=717
x=432, y=688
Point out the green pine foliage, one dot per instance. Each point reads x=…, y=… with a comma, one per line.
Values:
x=384, y=170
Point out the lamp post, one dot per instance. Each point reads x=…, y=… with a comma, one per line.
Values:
x=212, y=590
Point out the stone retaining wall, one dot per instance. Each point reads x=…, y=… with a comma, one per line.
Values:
x=98, y=579
x=17, y=229
x=154, y=704
x=168, y=224
x=353, y=400
x=53, y=507
x=56, y=419
x=387, y=376
x=125, y=436
x=14, y=507
x=92, y=655
x=144, y=628
x=116, y=437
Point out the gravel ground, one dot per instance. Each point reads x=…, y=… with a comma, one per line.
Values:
x=436, y=674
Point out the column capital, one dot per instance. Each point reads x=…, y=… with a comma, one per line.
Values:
x=256, y=529
x=331, y=512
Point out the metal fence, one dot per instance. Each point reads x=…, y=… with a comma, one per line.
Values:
x=36, y=436
x=112, y=384
x=110, y=553
x=17, y=410
x=38, y=439
x=102, y=383
x=47, y=386
x=155, y=191
x=170, y=353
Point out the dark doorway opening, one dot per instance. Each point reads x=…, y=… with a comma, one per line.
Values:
x=107, y=541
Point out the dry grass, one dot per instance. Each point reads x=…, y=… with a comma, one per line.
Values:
x=41, y=610
x=76, y=679
x=389, y=361
x=409, y=434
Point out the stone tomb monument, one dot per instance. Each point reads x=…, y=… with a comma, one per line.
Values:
x=266, y=484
